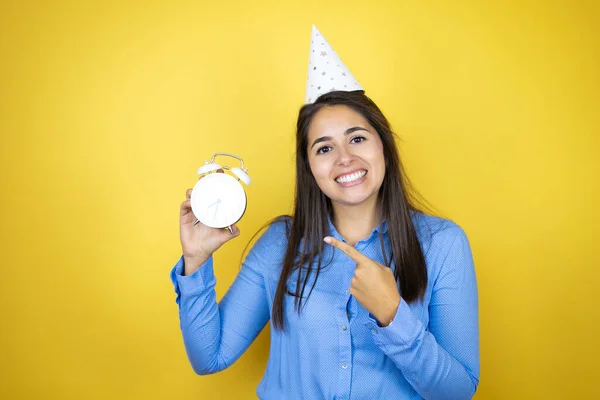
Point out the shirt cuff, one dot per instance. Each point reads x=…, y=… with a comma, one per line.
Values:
x=203, y=277
x=403, y=331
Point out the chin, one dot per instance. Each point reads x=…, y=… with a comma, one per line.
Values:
x=355, y=199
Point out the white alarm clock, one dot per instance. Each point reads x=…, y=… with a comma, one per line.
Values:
x=218, y=200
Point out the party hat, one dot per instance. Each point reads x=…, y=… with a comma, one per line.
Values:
x=326, y=71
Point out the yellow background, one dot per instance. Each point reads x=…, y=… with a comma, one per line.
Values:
x=108, y=108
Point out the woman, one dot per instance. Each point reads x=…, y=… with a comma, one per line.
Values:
x=368, y=297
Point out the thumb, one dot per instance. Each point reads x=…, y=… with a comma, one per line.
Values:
x=232, y=231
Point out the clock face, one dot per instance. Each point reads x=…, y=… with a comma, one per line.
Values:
x=218, y=200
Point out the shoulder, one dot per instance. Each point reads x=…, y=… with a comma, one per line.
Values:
x=272, y=238
x=437, y=235
x=277, y=231
x=446, y=249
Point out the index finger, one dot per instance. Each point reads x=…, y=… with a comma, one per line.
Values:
x=346, y=248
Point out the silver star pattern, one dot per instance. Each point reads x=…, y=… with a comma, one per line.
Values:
x=331, y=59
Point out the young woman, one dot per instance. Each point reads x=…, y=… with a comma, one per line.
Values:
x=367, y=296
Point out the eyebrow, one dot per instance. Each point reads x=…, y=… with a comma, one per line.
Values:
x=347, y=132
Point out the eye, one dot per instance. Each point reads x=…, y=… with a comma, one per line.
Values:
x=324, y=149
x=357, y=139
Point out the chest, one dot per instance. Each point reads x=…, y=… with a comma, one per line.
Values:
x=326, y=306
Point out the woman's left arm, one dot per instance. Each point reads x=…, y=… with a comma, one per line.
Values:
x=442, y=362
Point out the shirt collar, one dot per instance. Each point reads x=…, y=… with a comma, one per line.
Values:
x=383, y=227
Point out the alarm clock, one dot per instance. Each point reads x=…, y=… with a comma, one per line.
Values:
x=218, y=200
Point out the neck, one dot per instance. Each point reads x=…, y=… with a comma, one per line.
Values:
x=355, y=223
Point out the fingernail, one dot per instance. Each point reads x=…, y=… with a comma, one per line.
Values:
x=327, y=239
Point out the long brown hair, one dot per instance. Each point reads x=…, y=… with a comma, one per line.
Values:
x=309, y=223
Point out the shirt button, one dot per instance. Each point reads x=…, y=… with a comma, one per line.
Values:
x=375, y=331
x=344, y=327
x=344, y=366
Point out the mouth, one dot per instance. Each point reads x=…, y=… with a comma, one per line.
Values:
x=351, y=177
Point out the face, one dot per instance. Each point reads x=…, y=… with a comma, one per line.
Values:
x=345, y=155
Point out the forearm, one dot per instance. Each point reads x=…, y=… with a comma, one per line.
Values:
x=200, y=318
x=431, y=370
x=216, y=335
x=192, y=264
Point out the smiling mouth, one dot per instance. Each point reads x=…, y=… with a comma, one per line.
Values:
x=351, y=177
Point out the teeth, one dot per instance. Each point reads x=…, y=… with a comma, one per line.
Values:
x=351, y=177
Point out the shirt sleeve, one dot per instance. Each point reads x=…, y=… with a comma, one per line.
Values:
x=442, y=362
x=215, y=334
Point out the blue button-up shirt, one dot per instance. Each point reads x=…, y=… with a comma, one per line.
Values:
x=334, y=349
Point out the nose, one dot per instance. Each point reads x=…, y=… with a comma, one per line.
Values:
x=345, y=156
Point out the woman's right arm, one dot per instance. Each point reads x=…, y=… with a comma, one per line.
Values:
x=216, y=335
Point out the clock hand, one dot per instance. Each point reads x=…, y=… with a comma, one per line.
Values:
x=217, y=209
x=212, y=205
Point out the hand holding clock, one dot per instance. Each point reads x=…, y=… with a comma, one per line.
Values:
x=199, y=241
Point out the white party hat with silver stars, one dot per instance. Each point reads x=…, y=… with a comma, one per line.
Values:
x=326, y=71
